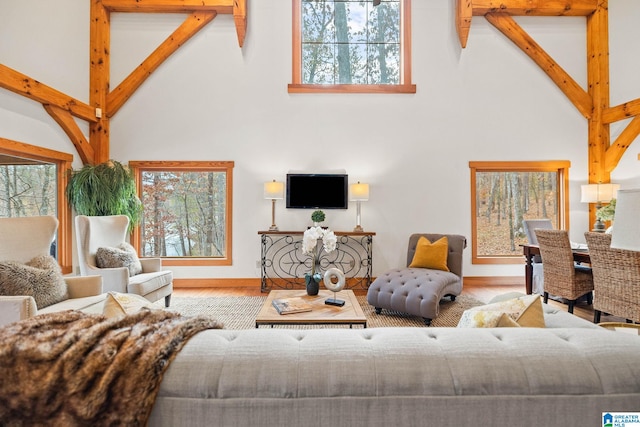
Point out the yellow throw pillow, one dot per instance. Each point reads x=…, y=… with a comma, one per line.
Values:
x=525, y=311
x=118, y=304
x=431, y=255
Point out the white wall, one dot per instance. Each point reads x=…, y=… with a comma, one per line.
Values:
x=213, y=100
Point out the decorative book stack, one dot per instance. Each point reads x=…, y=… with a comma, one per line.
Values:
x=291, y=305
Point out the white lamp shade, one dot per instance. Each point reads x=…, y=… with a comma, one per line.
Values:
x=274, y=190
x=598, y=193
x=626, y=222
x=359, y=192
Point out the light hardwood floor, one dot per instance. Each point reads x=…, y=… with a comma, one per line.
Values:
x=482, y=293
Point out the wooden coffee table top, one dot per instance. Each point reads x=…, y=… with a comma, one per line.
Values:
x=349, y=314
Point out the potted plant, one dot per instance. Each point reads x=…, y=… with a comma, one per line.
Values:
x=104, y=189
x=317, y=217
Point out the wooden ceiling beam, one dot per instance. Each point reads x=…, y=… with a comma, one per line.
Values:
x=466, y=9
x=71, y=128
x=237, y=8
x=240, y=19
x=578, y=96
x=99, y=78
x=598, y=85
x=535, y=7
x=622, y=111
x=169, y=6
x=464, y=14
x=24, y=85
x=615, y=152
x=191, y=25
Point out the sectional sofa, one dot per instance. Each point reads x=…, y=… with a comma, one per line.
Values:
x=567, y=374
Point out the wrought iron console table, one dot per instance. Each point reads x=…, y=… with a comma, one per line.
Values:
x=283, y=265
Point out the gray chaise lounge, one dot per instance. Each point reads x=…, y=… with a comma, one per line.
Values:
x=418, y=291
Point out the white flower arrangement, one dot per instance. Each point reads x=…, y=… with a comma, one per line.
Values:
x=310, y=244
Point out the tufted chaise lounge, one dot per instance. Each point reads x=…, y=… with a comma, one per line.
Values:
x=418, y=291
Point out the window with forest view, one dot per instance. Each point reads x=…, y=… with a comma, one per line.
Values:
x=187, y=211
x=352, y=44
x=29, y=188
x=506, y=193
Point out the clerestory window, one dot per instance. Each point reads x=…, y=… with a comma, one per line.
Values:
x=352, y=46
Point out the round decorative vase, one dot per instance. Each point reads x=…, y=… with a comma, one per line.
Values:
x=312, y=285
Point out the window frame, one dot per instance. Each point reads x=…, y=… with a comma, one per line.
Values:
x=63, y=162
x=560, y=167
x=137, y=167
x=405, y=86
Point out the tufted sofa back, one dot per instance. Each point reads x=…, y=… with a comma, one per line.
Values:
x=457, y=243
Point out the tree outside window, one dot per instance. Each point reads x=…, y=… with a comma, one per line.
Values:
x=506, y=193
x=187, y=211
x=351, y=46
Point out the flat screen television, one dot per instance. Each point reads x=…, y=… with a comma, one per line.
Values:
x=317, y=191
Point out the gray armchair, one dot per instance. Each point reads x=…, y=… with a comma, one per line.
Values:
x=418, y=291
x=21, y=240
x=94, y=232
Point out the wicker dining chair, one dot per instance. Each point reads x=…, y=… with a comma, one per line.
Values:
x=616, y=279
x=562, y=277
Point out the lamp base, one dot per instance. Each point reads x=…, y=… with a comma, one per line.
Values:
x=333, y=301
x=273, y=228
x=358, y=229
x=599, y=227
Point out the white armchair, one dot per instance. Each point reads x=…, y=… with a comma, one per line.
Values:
x=94, y=232
x=21, y=240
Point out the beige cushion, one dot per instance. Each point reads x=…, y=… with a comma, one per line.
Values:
x=40, y=278
x=523, y=311
x=123, y=255
x=431, y=255
x=486, y=319
x=118, y=304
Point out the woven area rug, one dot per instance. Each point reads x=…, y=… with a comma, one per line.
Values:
x=240, y=312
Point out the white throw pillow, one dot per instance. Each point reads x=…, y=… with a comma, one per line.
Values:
x=118, y=304
x=523, y=311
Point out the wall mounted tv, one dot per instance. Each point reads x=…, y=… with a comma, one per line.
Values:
x=317, y=191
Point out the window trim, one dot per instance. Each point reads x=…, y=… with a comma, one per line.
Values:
x=63, y=162
x=561, y=167
x=137, y=167
x=405, y=85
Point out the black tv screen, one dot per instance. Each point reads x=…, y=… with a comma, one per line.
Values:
x=317, y=191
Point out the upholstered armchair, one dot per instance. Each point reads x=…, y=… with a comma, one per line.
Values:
x=562, y=277
x=96, y=234
x=23, y=240
x=616, y=278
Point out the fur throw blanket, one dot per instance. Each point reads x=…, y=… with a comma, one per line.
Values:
x=75, y=369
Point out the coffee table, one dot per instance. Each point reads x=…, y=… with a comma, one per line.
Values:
x=321, y=314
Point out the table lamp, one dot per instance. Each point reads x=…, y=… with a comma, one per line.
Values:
x=626, y=226
x=359, y=193
x=273, y=190
x=598, y=193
